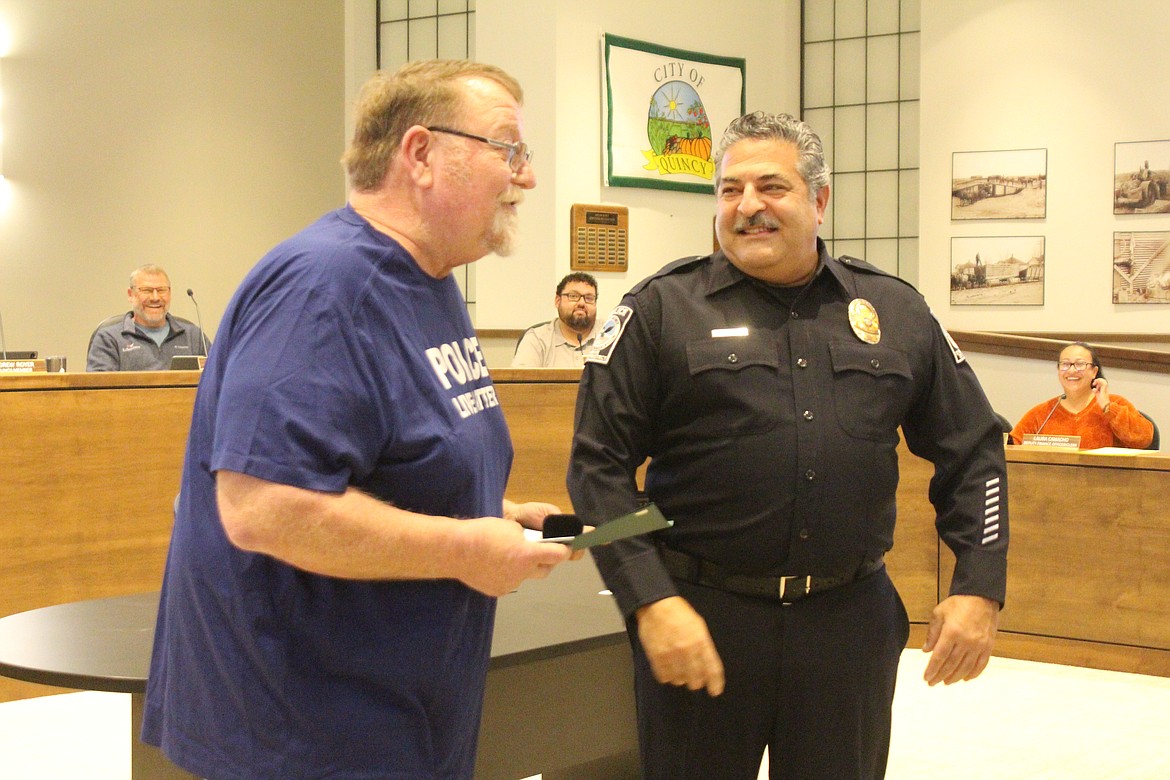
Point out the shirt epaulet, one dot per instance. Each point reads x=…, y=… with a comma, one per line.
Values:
x=682, y=264
x=858, y=265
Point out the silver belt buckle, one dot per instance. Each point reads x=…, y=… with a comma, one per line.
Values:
x=784, y=585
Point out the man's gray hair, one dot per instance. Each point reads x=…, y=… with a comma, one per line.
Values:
x=762, y=126
x=150, y=269
x=421, y=92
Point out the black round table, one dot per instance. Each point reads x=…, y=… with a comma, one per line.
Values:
x=559, y=697
x=97, y=645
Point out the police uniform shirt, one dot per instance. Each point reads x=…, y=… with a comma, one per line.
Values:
x=772, y=426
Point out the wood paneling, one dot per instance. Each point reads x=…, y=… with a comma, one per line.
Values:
x=1088, y=560
x=89, y=481
x=90, y=469
x=1096, y=542
x=540, y=418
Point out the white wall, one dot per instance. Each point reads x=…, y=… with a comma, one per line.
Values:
x=197, y=135
x=1073, y=77
x=191, y=134
x=557, y=56
x=361, y=53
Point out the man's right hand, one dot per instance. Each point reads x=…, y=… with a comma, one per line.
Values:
x=498, y=557
x=678, y=645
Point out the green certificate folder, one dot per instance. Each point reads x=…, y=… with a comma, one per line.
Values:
x=642, y=521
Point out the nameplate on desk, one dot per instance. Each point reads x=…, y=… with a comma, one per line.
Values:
x=188, y=362
x=1052, y=440
x=21, y=366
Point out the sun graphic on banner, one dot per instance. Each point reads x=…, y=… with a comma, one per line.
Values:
x=671, y=101
x=679, y=132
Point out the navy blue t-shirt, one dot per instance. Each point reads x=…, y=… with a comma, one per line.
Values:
x=338, y=362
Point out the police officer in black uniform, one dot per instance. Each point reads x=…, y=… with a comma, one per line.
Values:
x=767, y=383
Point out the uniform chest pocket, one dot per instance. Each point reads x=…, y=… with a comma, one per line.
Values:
x=734, y=386
x=872, y=389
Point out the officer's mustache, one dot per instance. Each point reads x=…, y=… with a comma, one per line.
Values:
x=759, y=219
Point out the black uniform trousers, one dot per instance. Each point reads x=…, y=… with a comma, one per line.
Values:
x=814, y=681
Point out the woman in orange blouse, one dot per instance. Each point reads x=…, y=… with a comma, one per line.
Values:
x=1086, y=408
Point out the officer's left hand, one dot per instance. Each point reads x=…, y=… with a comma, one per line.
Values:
x=959, y=638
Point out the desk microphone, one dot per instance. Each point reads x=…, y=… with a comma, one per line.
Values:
x=3, y=344
x=199, y=317
x=1050, y=411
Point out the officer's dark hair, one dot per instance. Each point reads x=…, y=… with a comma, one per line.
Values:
x=577, y=276
x=763, y=126
x=1092, y=356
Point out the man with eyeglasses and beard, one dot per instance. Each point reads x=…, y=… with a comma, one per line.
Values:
x=341, y=534
x=561, y=343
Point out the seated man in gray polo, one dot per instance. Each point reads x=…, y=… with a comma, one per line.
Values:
x=148, y=336
x=561, y=343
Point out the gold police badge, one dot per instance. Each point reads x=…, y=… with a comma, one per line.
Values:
x=863, y=318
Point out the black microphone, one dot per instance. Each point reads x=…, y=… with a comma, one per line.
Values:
x=199, y=317
x=3, y=344
x=1050, y=411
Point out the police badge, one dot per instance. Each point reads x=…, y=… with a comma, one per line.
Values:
x=863, y=318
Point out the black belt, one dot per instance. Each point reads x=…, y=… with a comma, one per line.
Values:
x=786, y=590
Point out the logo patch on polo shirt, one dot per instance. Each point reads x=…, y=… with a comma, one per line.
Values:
x=611, y=331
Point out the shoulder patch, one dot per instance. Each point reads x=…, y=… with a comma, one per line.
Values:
x=611, y=331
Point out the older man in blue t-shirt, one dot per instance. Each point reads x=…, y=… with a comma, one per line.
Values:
x=342, y=532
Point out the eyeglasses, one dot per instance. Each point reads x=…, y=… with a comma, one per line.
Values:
x=1079, y=365
x=518, y=153
x=574, y=297
x=152, y=290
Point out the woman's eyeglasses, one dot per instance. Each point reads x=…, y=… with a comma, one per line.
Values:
x=1079, y=365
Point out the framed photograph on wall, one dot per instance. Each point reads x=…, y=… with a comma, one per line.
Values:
x=1010, y=184
x=1141, y=267
x=997, y=271
x=1141, y=177
x=658, y=109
